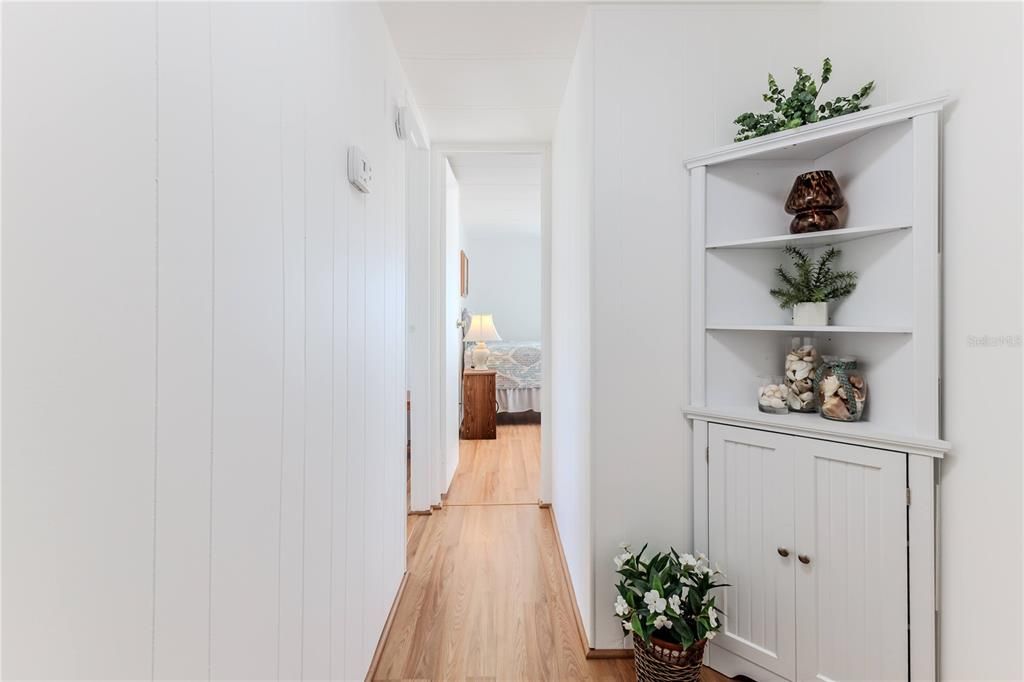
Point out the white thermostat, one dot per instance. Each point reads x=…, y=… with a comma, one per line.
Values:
x=360, y=172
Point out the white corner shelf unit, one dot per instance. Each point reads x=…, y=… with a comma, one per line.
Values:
x=826, y=530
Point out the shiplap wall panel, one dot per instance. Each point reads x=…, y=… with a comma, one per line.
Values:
x=396, y=424
x=248, y=322
x=355, y=591
x=79, y=339
x=184, y=360
x=343, y=196
x=293, y=138
x=375, y=339
x=280, y=363
x=321, y=270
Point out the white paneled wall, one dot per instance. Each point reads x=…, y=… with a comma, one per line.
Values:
x=668, y=85
x=572, y=201
x=79, y=320
x=204, y=341
x=662, y=84
x=974, y=51
x=506, y=278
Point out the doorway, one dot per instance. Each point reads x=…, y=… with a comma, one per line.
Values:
x=488, y=253
x=497, y=295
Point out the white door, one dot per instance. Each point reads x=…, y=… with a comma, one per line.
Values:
x=751, y=536
x=851, y=571
x=452, y=330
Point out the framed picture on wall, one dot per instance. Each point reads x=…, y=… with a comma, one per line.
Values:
x=463, y=274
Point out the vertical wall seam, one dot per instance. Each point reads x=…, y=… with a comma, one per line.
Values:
x=305, y=405
x=334, y=332
x=284, y=334
x=362, y=625
x=156, y=326
x=348, y=351
x=213, y=347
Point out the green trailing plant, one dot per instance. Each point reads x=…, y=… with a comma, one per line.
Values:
x=667, y=596
x=813, y=282
x=800, y=107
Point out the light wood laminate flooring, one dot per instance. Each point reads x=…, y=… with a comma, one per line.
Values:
x=486, y=597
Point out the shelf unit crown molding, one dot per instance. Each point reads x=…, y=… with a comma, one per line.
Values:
x=832, y=132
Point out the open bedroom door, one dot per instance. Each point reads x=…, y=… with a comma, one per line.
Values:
x=453, y=327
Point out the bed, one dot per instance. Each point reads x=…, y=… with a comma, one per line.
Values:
x=518, y=380
x=519, y=371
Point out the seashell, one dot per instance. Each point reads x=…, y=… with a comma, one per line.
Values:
x=777, y=402
x=799, y=365
x=765, y=401
x=829, y=386
x=835, y=408
x=790, y=358
x=808, y=358
x=856, y=381
x=794, y=402
x=802, y=373
x=841, y=393
x=807, y=397
x=802, y=386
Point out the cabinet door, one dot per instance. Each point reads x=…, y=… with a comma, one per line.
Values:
x=851, y=527
x=750, y=527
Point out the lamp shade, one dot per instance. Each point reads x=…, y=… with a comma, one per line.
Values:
x=481, y=328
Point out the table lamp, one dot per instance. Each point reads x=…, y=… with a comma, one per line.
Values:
x=481, y=330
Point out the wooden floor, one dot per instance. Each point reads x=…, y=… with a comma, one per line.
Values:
x=501, y=471
x=486, y=597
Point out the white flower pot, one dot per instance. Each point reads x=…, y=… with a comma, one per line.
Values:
x=810, y=314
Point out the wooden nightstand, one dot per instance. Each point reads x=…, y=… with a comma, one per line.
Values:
x=479, y=405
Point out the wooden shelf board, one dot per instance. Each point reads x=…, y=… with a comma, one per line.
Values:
x=815, y=426
x=830, y=329
x=810, y=240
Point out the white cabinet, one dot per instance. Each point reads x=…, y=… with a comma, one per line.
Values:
x=812, y=535
x=773, y=488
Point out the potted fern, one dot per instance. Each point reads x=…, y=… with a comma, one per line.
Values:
x=809, y=290
x=665, y=603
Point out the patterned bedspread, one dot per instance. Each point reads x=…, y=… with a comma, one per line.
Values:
x=518, y=364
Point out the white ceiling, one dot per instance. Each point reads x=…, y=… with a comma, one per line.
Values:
x=486, y=71
x=498, y=191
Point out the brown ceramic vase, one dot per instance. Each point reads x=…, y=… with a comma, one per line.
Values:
x=814, y=197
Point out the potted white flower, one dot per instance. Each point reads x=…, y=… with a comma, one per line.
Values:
x=665, y=603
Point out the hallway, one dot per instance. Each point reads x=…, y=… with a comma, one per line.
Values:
x=486, y=596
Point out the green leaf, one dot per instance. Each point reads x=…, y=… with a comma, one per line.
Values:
x=792, y=111
x=634, y=623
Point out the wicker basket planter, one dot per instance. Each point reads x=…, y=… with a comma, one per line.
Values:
x=665, y=662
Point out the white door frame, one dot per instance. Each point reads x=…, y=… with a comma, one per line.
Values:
x=419, y=333
x=439, y=153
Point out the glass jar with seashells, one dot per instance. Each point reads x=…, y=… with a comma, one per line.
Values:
x=801, y=365
x=841, y=389
x=771, y=394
